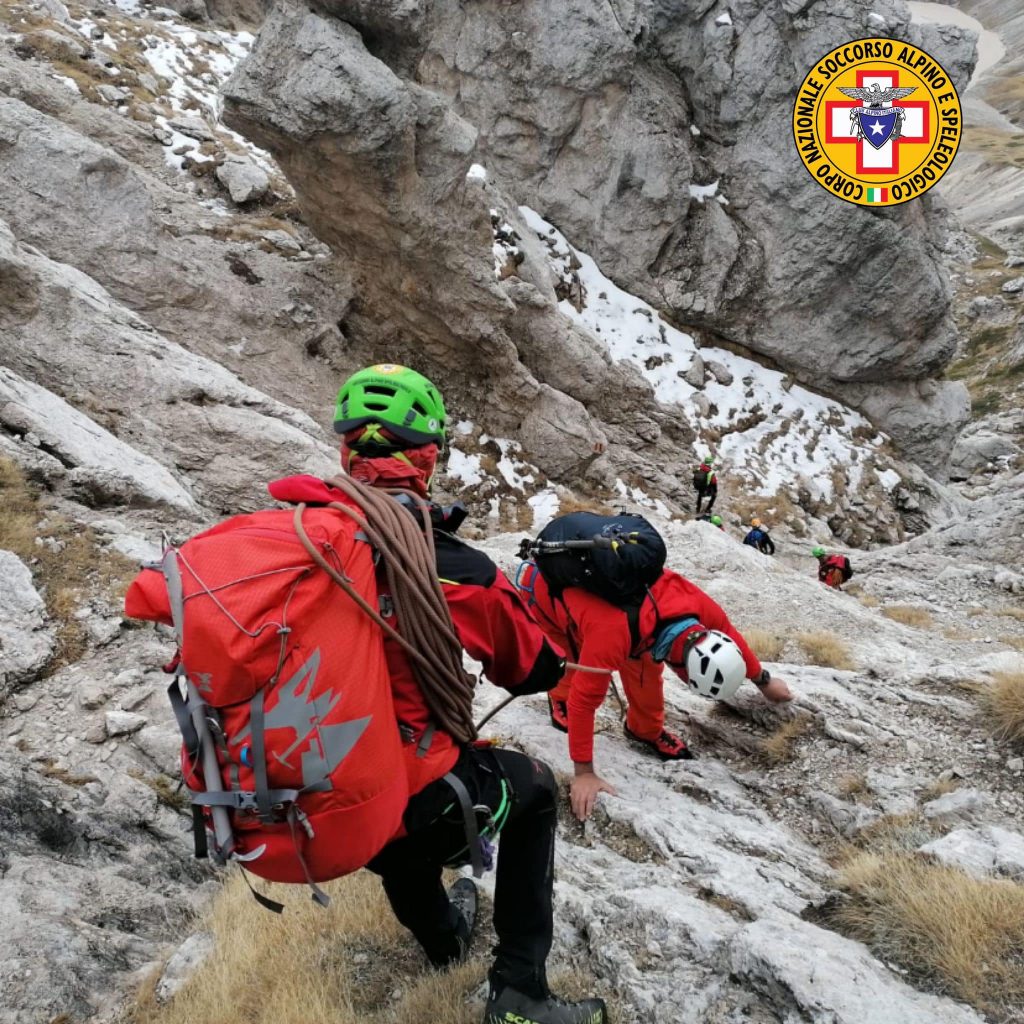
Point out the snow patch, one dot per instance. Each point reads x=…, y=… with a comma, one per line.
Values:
x=465, y=466
x=476, y=173
x=725, y=18
x=774, y=434
x=702, y=192
x=545, y=506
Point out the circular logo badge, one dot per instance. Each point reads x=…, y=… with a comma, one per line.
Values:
x=388, y=368
x=877, y=122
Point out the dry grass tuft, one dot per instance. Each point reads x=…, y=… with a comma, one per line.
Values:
x=940, y=787
x=826, y=649
x=868, y=600
x=69, y=566
x=1004, y=701
x=578, y=503
x=765, y=644
x=344, y=965
x=854, y=785
x=1010, y=613
x=909, y=615
x=959, y=934
x=54, y=771
x=1013, y=641
x=352, y=963
x=780, y=747
x=168, y=792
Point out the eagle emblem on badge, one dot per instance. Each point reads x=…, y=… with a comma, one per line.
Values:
x=874, y=122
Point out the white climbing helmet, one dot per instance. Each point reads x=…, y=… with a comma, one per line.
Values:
x=714, y=665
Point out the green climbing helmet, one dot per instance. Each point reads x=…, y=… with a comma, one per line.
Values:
x=818, y=551
x=716, y=520
x=400, y=399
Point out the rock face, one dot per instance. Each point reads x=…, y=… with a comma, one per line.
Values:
x=606, y=129
x=166, y=404
x=25, y=643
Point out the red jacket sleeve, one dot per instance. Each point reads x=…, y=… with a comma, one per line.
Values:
x=604, y=640
x=496, y=629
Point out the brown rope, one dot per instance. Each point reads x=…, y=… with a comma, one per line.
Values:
x=427, y=633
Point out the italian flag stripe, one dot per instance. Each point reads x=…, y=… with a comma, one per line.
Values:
x=878, y=195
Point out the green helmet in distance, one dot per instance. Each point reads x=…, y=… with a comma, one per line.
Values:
x=399, y=398
x=818, y=552
x=716, y=520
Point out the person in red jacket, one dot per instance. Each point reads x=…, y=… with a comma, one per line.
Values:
x=392, y=422
x=833, y=570
x=677, y=623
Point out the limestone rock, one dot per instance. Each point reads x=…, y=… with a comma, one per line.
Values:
x=123, y=723
x=105, y=470
x=721, y=373
x=162, y=745
x=694, y=375
x=244, y=180
x=980, y=851
x=846, y=818
x=976, y=450
x=25, y=643
x=778, y=951
x=184, y=962
x=961, y=803
x=610, y=101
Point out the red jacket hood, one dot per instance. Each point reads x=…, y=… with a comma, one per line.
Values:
x=304, y=488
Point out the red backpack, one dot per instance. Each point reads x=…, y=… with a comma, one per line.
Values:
x=292, y=753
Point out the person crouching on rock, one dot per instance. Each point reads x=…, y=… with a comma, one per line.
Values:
x=678, y=624
x=833, y=570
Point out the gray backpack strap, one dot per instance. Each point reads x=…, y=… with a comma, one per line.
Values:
x=193, y=703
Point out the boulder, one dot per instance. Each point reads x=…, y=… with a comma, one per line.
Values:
x=980, y=851
x=243, y=179
x=123, y=723
x=961, y=803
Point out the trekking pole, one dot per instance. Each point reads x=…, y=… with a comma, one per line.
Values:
x=528, y=548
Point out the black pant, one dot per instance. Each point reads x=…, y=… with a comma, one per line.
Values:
x=410, y=867
x=711, y=491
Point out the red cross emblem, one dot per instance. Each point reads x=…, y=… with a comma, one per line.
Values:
x=886, y=160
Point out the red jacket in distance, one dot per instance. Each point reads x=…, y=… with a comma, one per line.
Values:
x=599, y=635
x=490, y=619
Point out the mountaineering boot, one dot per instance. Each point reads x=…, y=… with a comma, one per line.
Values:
x=667, y=746
x=559, y=710
x=463, y=897
x=511, y=1007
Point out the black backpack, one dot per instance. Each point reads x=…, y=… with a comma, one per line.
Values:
x=615, y=557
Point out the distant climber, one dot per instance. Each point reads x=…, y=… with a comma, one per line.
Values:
x=705, y=483
x=670, y=620
x=758, y=538
x=392, y=421
x=714, y=520
x=833, y=570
